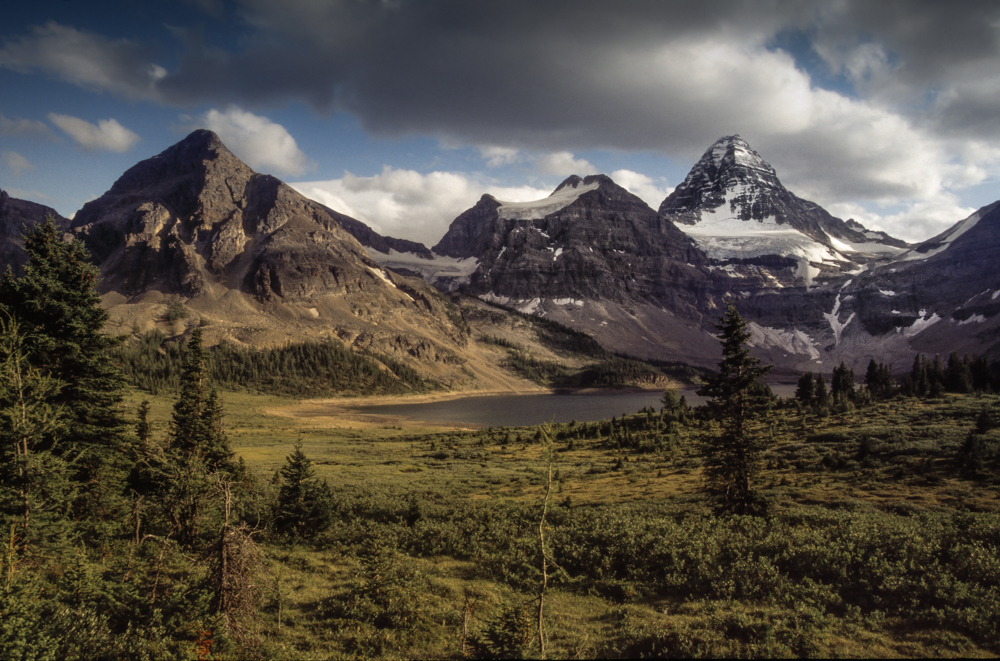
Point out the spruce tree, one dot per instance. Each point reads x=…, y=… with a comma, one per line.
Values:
x=34, y=490
x=842, y=383
x=805, y=391
x=303, y=502
x=57, y=308
x=732, y=457
x=820, y=394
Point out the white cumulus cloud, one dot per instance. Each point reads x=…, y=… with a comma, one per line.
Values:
x=16, y=163
x=652, y=191
x=107, y=134
x=259, y=142
x=563, y=163
x=407, y=204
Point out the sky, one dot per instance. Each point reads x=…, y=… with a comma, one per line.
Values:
x=402, y=113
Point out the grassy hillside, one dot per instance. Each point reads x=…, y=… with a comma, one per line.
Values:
x=884, y=537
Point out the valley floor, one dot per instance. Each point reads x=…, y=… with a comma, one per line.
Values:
x=883, y=539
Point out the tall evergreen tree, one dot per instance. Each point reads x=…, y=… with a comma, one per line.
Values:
x=57, y=308
x=34, y=490
x=303, y=502
x=732, y=457
x=820, y=394
x=805, y=391
x=842, y=383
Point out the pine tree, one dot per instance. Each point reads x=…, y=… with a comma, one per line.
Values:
x=842, y=383
x=57, y=308
x=34, y=490
x=732, y=458
x=303, y=502
x=820, y=394
x=805, y=391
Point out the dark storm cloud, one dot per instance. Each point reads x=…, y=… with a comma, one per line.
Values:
x=913, y=111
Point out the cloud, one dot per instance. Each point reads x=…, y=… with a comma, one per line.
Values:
x=86, y=59
x=563, y=163
x=913, y=222
x=108, y=134
x=407, y=204
x=29, y=128
x=651, y=191
x=261, y=143
x=879, y=103
x=16, y=163
x=499, y=156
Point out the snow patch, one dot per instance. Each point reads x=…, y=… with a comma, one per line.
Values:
x=944, y=240
x=538, y=209
x=385, y=278
x=886, y=292
x=834, y=321
x=995, y=294
x=434, y=269
x=920, y=325
x=794, y=341
x=974, y=319
x=568, y=301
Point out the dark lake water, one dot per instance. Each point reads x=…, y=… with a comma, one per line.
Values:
x=526, y=410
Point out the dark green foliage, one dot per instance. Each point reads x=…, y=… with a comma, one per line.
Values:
x=879, y=380
x=958, y=374
x=57, y=309
x=842, y=384
x=731, y=458
x=309, y=369
x=805, y=391
x=821, y=396
x=506, y=635
x=303, y=509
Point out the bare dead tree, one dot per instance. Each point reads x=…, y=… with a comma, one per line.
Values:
x=236, y=562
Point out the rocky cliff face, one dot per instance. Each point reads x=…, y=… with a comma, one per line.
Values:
x=816, y=289
x=596, y=257
x=591, y=239
x=16, y=216
x=255, y=261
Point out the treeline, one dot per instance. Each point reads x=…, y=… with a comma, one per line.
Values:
x=927, y=378
x=610, y=372
x=306, y=369
x=932, y=378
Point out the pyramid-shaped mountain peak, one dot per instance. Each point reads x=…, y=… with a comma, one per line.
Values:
x=729, y=164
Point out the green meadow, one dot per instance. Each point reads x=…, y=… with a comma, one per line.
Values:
x=882, y=537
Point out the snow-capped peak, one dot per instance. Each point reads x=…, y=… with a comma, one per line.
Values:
x=566, y=194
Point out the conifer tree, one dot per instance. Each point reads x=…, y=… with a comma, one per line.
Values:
x=34, y=490
x=820, y=394
x=303, y=502
x=805, y=390
x=732, y=457
x=57, y=308
x=842, y=383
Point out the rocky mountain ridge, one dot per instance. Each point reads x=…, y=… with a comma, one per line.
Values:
x=16, y=216
x=257, y=262
x=193, y=236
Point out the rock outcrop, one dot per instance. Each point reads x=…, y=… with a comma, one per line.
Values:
x=16, y=216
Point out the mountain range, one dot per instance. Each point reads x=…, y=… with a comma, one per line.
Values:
x=254, y=262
